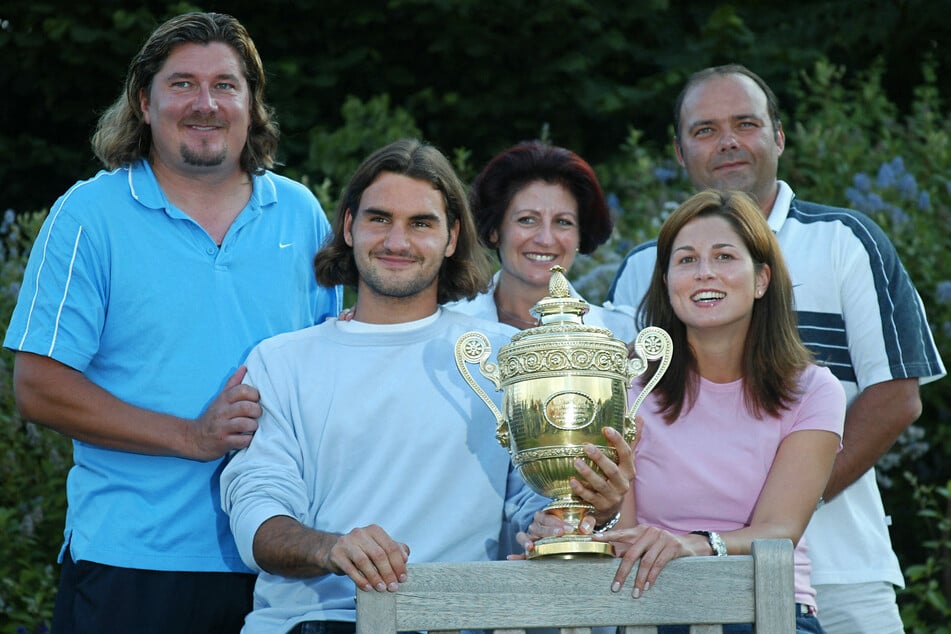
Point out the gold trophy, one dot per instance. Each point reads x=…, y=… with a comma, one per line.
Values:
x=562, y=382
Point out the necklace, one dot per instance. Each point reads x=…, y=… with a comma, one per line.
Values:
x=508, y=318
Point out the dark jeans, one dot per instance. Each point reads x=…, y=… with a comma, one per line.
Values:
x=98, y=599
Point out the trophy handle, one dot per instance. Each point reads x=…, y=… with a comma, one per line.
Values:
x=474, y=347
x=652, y=343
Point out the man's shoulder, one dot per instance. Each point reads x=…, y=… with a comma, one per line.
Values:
x=819, y=216
x=636, y=269
x=482, y=305
x=293, y=340
x=283, y=188
x=92, y=201
x=460, y=321
x=102, y=182
x=639, y=261
x=808, y=211
x=646, y=249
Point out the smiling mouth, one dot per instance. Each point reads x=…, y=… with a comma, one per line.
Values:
x=211, y=124
x=707, y=296
x=541, y=257
x=395, y=259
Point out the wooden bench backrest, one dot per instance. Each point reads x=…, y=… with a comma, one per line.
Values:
x=575, y=595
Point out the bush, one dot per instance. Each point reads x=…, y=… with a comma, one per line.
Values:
x=33, y=471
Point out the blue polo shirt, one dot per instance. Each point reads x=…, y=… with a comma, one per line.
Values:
x=126, y=288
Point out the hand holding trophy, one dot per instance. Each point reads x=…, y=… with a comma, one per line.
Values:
x=563, y=382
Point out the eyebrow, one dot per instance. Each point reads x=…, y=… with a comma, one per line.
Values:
x=736, y=117
x=186, y=75
x=719, y=245
x=538, y=212
x=423, y=215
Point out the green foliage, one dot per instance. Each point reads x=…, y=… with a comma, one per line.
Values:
x=853, y=148
x=63, y=66
x=32, y=472
x=472, y=73
x=334, y=156
x=925, y=604
x=896, y=170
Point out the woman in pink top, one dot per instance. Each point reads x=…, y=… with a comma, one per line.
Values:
x=739, y=436
x=737, y=440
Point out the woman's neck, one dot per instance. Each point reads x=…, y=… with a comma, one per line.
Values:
x=719, y=356
x=513, y=302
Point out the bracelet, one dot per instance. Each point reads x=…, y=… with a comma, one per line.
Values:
x=717, y=545
x=609, y=524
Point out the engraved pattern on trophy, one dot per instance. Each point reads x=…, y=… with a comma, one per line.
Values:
x=562, y=383
x=570, y=410
x=536, y=359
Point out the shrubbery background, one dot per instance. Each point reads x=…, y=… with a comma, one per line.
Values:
x=852, y=140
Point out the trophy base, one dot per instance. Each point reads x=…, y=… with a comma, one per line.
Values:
x=571, y=547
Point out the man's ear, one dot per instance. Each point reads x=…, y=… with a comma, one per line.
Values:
x=144, y=106
x=348, y=227
x=453, y=239
x=678, y=153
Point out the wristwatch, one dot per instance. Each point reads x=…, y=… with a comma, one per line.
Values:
x=717, y=545
x=603, y=528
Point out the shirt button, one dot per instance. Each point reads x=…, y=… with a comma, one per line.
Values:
x=210, y=250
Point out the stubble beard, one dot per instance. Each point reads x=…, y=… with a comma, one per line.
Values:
x=203, y=159
x=397, y=289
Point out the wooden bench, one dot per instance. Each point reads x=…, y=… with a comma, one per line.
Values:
x=573, y=596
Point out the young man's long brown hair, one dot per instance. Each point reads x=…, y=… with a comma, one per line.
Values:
x=464, y=274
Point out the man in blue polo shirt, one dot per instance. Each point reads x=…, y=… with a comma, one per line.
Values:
x=146, y=288
x=858, y=311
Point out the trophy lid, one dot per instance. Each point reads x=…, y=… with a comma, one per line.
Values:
x=562, y=343
x=559, y=306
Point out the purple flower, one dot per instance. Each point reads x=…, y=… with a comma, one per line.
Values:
x=943, y=292
x=614, y=203
x=886, y=176
x=897, y=214
x=908, y=187
x=863, y=183
x=873, y=203
x=665, y=174
x=855, y=197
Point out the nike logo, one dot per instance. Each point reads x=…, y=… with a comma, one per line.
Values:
x=284, y=245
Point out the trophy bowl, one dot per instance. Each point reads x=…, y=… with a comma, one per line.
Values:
x=562, y=383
